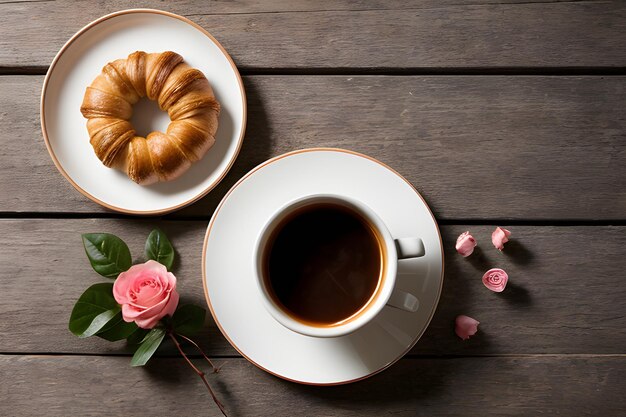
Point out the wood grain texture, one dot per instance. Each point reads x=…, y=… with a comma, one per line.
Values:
x=524, y=147
x=532, y=149
x=276, y=6
x=98, y=386
x=566, y=286
x=419, y=34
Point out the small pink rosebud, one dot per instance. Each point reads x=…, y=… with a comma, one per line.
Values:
x=499, y=237
x=495, y=279
x=465, y=327
x=465, y=244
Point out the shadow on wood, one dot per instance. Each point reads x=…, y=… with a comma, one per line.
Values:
x=517, y=295
x=517, y=252
x=457, y=291
x=402, y=385
x=478, y=260
x=256, y=148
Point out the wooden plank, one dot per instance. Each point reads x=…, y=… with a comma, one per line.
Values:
x=524, y=147
x=53, y=385
x=565, y=294
x=418, y=35
x=274, y=6
x=55, y=264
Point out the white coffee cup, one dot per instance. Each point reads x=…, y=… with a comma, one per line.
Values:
x=386, y=295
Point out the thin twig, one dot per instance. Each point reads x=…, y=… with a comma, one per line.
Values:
x=215, y=368
x=200, y=374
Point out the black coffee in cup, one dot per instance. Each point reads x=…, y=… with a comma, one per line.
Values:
x=323, y=263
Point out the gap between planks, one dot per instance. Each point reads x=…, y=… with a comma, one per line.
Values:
x=407, y=356
x=191, y=218
x=354, y=71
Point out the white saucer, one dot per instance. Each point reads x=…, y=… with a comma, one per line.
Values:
x=229, y=270
x=81, y=59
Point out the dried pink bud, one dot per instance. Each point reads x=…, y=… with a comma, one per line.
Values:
x=499, y=237
x=465, y=327
x=465, y=244
x=495, y=279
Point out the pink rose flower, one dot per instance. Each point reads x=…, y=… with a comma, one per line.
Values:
x=499, y=237
x=147, y=293
x=495, y=279
x=465, y=327
x=465, y=244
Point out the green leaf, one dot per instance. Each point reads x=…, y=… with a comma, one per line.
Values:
x=95, y=308
x=159, y=248
x=117, y=329
x=148, y=346
x=108, y=254
x=137, y=337
x=188, y=319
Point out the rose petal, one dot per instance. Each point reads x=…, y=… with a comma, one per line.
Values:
x=147, y=319
x=495, y=279
x=172, y=304
x=139, y=311
x=148, y=323
x=124, y=282
x=169, y=280
x=465, y=327
x=148, y=292
x=168, y=310
x=129, y=312
x=499, y=237
x=465, y=244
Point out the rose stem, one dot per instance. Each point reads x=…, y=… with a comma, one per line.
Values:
x=215, y=368
x=200, y=374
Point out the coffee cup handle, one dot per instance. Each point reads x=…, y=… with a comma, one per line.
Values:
x=408, y=247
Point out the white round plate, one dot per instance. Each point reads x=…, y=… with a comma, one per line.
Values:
x=81, y=60
x=229, y=270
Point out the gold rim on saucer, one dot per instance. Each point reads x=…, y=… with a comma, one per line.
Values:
x=248, y=175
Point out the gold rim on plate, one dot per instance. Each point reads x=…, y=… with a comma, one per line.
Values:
x=248, y=175
x=87, y=194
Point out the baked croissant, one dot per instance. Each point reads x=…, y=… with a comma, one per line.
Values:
x=182, y=91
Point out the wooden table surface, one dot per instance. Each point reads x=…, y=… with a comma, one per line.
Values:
x=500, y=112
